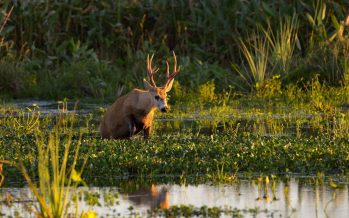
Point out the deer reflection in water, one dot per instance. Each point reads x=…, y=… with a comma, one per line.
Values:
x=155, y=197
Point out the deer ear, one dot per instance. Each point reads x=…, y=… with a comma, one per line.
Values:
x=147, y=85
x=169, y=86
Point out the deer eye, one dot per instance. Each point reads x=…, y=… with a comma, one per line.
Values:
x=157, y=97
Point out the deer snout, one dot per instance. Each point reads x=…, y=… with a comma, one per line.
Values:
x=164, y=109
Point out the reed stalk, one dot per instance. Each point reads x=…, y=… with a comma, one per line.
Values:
x=57, y=160
x=256, y=55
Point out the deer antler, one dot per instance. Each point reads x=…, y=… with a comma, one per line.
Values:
x=174, y=72
x=151, y=70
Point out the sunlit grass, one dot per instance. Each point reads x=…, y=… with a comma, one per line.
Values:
x=282, y=44
x=255, y=52
x=56, y=159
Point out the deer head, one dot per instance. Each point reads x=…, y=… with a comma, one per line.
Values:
x=159, y=94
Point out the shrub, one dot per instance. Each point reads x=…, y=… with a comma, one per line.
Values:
x=12, y=79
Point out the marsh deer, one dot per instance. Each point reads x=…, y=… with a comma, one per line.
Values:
x=134, y=112
x=153, y=197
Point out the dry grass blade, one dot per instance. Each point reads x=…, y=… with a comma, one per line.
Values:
x=7, y=17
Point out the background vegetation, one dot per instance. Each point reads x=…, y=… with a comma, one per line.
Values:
x=54, y=49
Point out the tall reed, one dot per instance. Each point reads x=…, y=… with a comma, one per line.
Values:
x=256, y=55
x=282, y=44
x=57, y=163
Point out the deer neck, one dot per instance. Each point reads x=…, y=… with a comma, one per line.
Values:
x=146, y=102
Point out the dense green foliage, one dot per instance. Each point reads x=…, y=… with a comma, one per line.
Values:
x=192, y=155
x=54, y=49
x=276, y=131
x=204, y=211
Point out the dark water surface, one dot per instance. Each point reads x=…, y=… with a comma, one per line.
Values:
x=281, y=123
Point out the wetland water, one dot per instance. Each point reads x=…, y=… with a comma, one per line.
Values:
x=250, y=198
x=284, y=122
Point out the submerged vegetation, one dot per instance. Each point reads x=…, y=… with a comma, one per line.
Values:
x=269, y=140
x=202, y=156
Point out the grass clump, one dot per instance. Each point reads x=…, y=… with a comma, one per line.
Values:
x=254, y=73
x=56, y=175
x=282, y=45
x=55, y=160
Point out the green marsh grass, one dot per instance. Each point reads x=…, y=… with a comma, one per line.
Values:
x=317, y=20
x=282, y=44
x=255, y=52
x=56, y=158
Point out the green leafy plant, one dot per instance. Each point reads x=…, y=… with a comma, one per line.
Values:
x=319, y=33
x=207, y=92
x=271, y=88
